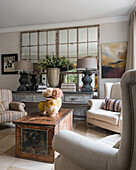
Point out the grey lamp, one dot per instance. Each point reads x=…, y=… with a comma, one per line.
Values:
x=23, y=67
x=87, y=65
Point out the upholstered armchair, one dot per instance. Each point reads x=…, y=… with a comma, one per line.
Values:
x=10, y=110
x=79, y=153
x=107, y=119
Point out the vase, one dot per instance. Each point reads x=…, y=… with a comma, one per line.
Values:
x=52, y=106
x=53, y=75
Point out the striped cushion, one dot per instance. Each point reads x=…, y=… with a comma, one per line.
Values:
x=112, y=105
x=10, y=115
x=4, y=106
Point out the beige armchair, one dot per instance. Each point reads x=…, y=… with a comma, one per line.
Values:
x=80, y=153
x=10, y=110
x=96, y=115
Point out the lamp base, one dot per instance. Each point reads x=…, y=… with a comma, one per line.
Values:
x=23, y=81
x=84, y=89
x=87, y=82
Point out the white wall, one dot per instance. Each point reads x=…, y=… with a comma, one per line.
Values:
x=110, y=33
x=9, y=43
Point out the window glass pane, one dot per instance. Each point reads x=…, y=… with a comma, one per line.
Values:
x=51, y=37
x=62, y=50
x=83, y=35
x=33, y=39
x=72, y=50
x=34, y=61
x=92, y=49
x=42, y=52
x=33, y=53
x=25, y=39
x=25, y=53
x=73, y=35
x=82, y=50
x=73, y=60
x=42, y=38
x=63, y=36
x=52, y=50
x=92, y=34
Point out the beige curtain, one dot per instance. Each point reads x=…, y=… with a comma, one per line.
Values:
x=131, y=54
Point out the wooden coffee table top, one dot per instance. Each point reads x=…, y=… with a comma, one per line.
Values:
x=36, y=119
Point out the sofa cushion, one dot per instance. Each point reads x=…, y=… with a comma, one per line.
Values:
x=10, y=115
x=17, y=106
x=104, y=115
x=4, y=106
x=112, y=105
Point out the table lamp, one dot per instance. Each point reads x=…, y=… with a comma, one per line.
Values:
x=23, y=67
x=87, y=65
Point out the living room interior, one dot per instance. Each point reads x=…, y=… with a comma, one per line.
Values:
x=63, y=93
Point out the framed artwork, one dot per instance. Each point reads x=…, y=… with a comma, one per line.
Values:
x=113, y=59
x=7, y=63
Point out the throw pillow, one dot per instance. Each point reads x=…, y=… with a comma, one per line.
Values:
x=18, y=106
x=117, y=145
x=4, y=106
x=112, y=105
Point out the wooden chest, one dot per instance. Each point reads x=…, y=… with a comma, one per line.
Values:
x=34, y=134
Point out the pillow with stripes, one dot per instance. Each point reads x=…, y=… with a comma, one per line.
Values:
x=112, y=105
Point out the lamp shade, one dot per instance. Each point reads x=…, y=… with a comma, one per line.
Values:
x=23, y=65
x=87, y=64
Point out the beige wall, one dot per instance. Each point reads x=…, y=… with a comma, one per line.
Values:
x=110, y=33
x=9, y=43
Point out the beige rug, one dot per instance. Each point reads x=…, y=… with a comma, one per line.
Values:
x=8, y=161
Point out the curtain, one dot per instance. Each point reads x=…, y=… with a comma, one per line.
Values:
x=131, y=53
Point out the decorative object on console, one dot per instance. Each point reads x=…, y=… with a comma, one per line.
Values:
x=68, y=87
x=23, y=67
x=54, y=65
x=87, y=65
x=7, y=63
x=53, y=101
x=113, y=59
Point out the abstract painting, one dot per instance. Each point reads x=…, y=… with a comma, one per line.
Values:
x=113, y=59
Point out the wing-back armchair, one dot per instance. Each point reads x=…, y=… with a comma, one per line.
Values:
x=107, y=119
x=79, y=153
x=10, y=110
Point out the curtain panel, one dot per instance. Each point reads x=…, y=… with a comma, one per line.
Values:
x=131, y=54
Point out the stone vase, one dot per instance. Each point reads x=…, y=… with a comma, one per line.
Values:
x=53, y=75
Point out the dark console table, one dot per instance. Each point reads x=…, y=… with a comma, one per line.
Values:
x=74, y=100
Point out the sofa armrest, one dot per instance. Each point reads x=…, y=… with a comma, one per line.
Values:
x=84, y=152
x=18, y=106
x=96, y=103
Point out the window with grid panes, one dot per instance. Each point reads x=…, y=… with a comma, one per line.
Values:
x=72, y=43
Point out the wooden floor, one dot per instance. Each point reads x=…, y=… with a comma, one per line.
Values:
x=8, y=161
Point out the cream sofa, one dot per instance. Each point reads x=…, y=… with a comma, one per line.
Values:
x=79, y=153
x=96, y=115
x=10, y=110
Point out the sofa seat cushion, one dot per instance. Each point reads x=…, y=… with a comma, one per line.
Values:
x=104, y=115
x=10, y=115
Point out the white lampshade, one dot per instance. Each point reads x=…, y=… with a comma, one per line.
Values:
x=89, y=63
x=23, y=65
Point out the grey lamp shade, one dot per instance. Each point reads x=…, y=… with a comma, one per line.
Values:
x=23, y=65
x=87, y=63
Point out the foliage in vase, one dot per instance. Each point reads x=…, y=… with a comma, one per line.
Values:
x=53, y=62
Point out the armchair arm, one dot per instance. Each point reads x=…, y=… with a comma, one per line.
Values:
x=84, y=152
x=95, y=103
x=18, y=106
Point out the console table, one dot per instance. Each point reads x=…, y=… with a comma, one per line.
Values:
x=74, y=100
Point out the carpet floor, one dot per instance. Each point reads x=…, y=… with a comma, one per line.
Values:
x=8, y=161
